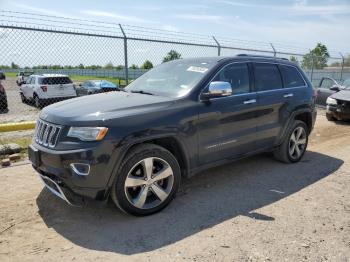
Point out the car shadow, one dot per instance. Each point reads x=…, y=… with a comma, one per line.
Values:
x=204, y=201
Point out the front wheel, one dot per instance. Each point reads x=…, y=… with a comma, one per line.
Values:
x=294, y=145
x=38, y=102
x=147, y=182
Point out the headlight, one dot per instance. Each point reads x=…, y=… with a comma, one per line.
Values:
x=331, y=101
x=88, y=133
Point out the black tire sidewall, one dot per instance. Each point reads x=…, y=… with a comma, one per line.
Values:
x=295, y=125
x=118, y=192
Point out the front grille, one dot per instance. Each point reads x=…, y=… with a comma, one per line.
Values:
x=46, y=134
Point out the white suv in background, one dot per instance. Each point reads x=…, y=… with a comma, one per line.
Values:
x=46, y=89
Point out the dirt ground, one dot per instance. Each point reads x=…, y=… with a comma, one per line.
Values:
x=255, y=209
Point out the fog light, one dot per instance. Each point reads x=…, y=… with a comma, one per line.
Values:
x=80, y=169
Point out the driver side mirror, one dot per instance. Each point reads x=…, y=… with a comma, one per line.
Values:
x=217, y=89
x=335, y=88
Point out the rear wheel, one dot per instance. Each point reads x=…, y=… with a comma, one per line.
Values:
x=295, y=144
x=147, y=182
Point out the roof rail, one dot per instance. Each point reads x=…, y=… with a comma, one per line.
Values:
x=264, y=56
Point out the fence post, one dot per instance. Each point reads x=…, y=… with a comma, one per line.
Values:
x=125, y=55
x=274, y=50
x=219, y=46
x=312, y=66
x=342, y=66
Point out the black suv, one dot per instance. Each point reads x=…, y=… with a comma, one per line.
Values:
x=175, y=120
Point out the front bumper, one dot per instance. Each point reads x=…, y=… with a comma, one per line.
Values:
x=54, y=168
x=339, y=111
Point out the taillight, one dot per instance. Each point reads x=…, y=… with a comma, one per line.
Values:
x=44, y=88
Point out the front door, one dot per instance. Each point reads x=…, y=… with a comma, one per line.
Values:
x=226, y=125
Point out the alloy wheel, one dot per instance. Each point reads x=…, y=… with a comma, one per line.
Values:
x=297, y=143
x=149, y=183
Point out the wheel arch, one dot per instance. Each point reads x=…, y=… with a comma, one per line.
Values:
x=303, y=114
x=169, y=142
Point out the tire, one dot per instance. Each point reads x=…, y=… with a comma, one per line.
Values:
x=38, y=102
x=23, y=98
x=142, y=197
x=330, y=117
x=285, y=152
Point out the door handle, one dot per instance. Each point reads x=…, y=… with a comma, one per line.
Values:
x=251, y=101
x=288, y=95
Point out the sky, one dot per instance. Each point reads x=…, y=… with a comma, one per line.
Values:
x=300, y=23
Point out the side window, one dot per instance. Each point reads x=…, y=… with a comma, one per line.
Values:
x=326, y=83
x=291, y=76
x=267, y=77
x=237, y=75
x=29, y=79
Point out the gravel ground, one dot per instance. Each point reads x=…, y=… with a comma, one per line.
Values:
x=17, y=111
x=255, y=209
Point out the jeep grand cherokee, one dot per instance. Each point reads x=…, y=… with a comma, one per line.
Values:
x=175, y=120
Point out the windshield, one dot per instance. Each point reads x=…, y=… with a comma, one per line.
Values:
x=172, y=79
x=346, y=83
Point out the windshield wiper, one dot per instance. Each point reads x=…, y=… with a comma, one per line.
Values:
x=142, y=92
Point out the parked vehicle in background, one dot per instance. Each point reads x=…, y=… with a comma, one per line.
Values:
x=327, y=87
x=22, y=77
x=176, y=120
x=338, y=104
x=3, y=96
x=96, y=86
x=2, y=75
x=47, y=89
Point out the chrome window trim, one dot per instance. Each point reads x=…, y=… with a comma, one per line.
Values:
x=256, y=92
x=240, y=62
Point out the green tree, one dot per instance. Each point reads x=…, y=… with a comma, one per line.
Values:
x=133, y=66
x=147, y=65
x=119, y=67
x=81, y=66
x=14, y=66
x=172, y=55
x=109, y=66
x=294, y=59
x=316, y=58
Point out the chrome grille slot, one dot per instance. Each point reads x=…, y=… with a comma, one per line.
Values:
x=46, y=134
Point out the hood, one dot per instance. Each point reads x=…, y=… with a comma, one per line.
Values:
x=102, y=107
x=342, y=95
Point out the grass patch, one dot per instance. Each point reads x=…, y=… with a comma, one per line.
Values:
x=79, y=78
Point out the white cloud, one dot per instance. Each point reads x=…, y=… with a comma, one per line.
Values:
x=170, y=28
x=125, y=18
x=199, y=17
x=299, y=7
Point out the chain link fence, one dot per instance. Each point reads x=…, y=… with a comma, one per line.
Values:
x=47, y=59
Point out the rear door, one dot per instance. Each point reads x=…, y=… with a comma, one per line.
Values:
x=271, y=101
x=324, y=90
x=60, y=86
x=226, y=125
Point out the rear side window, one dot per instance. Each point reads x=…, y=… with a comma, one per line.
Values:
x=237, y=75
x=267, y=77
x=55, y=81
x=291, y=76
